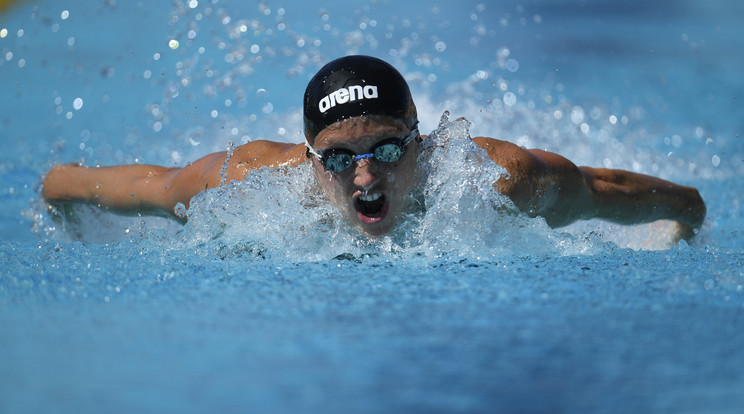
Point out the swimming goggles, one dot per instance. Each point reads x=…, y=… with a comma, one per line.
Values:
x=387, y=150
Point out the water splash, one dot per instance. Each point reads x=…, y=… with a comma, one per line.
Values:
x=223, y=168
x=454, y=212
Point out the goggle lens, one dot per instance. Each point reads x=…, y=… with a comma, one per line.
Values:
x=389, y=152
x=337, y=162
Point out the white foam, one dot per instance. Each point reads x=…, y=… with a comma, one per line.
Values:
x=282, y=213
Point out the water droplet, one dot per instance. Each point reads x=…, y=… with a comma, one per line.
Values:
x=180, y=210
x=510, y=99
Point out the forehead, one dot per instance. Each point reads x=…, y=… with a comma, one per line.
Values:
x=359, y=132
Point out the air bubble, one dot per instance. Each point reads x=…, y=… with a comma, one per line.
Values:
x=510, y=99
x=577, y=115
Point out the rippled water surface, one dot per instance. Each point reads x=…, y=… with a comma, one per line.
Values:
x=267, y=301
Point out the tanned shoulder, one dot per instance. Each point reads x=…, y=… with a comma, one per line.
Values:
x=258, y=154
x=518, y=162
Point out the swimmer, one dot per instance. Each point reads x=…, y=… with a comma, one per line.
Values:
x=362, y=138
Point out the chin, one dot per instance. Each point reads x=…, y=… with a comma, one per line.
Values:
x=378, y=229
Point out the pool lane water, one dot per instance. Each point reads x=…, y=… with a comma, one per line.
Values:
x=610, y=334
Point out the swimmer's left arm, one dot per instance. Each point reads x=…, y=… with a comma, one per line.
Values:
x=545, y=184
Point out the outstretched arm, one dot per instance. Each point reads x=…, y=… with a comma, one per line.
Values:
x=545, y=184
x=130, y=188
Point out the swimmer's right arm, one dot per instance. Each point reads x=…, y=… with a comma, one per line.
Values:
x=125, y=188
x=130, y=188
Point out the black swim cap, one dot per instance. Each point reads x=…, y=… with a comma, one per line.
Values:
x=352, y=86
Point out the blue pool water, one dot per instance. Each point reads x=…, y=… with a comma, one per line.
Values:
x=266, y=302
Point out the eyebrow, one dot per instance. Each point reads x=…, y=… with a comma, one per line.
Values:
x=406, y=138
x=379, y=139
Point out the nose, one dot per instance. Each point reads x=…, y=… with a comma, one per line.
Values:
x=365, y=173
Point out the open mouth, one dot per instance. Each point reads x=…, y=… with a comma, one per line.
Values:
x=370, y=207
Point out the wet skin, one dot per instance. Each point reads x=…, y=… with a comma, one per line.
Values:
x=371, y=193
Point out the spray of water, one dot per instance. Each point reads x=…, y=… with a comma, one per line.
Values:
x=454, y=212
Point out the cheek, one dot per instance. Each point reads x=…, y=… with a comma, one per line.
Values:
x=404, y=172
x=330, y=184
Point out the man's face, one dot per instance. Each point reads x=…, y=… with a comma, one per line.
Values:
x=370, y=193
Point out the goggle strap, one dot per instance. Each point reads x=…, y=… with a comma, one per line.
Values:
x=311, y=150
x=411, y=136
